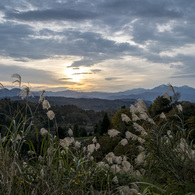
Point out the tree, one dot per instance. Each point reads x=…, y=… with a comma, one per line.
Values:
x=76, y=130
x=105, y=124
x=61, y=132
x=83, y=132
x=97, y=128
x=117, y=122
x=159, y=105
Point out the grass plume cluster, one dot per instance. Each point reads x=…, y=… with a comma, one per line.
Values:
x=140, y=154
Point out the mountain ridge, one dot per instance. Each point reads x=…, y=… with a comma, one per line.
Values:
x=187, y=93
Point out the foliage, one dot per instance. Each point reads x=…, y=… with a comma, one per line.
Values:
x=117, y=122
x=159, y=105
x=138, y=155
x=105, y=124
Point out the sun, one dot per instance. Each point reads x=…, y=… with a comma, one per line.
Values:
x=74, y=74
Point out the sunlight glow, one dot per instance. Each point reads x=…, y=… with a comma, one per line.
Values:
x=75, y=74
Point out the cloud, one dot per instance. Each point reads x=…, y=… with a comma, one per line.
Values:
x=52, y=14
x=81, y=73
x=96, y=70
x=184, y=76
x=149, y=33
x=28, y=74
x=146, y=8
x=64, y=79
x=111, y=78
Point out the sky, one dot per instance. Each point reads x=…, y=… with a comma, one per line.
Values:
x=102, y=45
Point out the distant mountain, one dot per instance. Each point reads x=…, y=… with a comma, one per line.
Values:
x=9, y=93
x=87, y=103
x=187, y=93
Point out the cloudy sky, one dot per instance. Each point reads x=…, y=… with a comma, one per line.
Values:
x=103, y=45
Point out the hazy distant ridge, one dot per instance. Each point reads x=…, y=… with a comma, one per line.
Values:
x=187, y=93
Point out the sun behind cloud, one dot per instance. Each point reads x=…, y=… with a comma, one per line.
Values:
x=75, y=74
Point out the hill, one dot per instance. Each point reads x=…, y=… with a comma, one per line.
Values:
x=187, y=94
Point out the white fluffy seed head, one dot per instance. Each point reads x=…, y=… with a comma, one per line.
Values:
x=113, y=132
x=117, y=159
x=94, y=140
x=25, y=92
x=133, y=109
x=139, y=129
x=70, y=132
x=162, y=116
x=18, y=79
x=115, y=180
x=41, y=96
x=66, y=142
x=115, y=169
x=143, y=116
x=141, y=106
x=91, y=148
x=109, y=160
x=124, y=142
x=77, y=144
x=135, y=117
x=97, y=146
x=126, y=164
x=125, y=118
x=110, y=154
x=43, y=131
x=50, y=115
x=150, y=120
x=18, y=137
x=179, y=108
x=140, y=158
x=166, y=96
x=46, y=105
x=140, y=140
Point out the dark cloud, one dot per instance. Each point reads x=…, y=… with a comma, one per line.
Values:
x=84, y=62
x=88, y=30
x=64, y=79
x=96, y=70
x=52, y=14
x=81, y=73
x=111, y=78
x=35, y=45
x=183, y=76
x=146, y=8
x=28, y=74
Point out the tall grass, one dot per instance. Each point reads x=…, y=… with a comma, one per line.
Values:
x=144, y=157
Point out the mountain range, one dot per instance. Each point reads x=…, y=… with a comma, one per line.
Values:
x=186, y=93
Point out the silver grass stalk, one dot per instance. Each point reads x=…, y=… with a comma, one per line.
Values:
x=41, y=96
x=18, y=77
x=25, y=92
x=125, y=118
x=113, y=132
x=1, y=86
x=170, y=87
x=166, y=96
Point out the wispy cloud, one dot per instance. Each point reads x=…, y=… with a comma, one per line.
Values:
x=183, y=76
x=53, y=14
x=111, y=78
x=64, y=79
x=96, y=70
x=81, y=73
x=111, y=39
